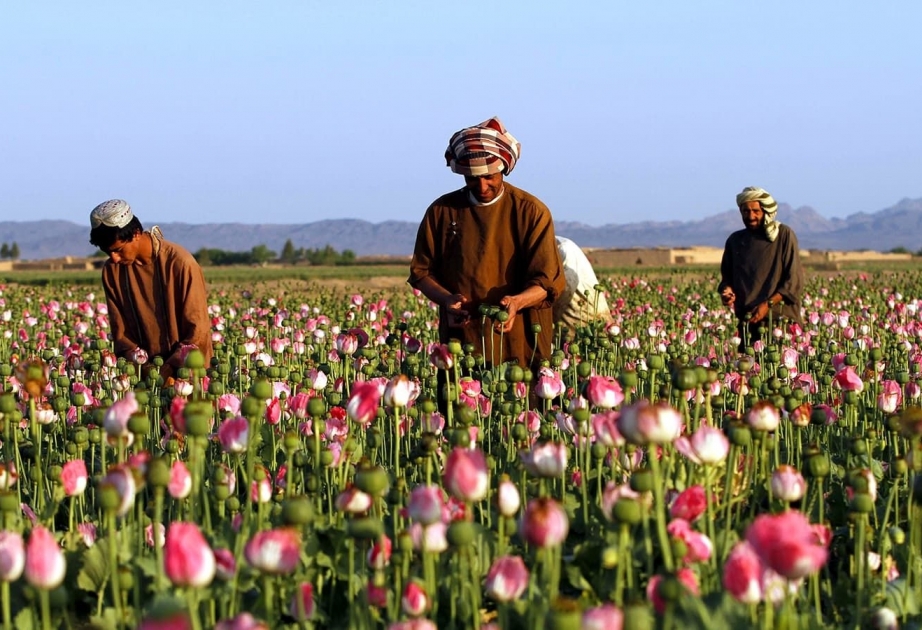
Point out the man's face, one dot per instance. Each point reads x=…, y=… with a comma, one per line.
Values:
x=752, y=214
x=485, y=188
x=125, y=252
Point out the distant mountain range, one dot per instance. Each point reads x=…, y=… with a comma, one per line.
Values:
x=897, y=226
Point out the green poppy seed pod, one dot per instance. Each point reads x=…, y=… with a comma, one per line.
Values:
x=685, y=379
x=71, y=449
x=628, y=511
x=637, y=616
x=642, y=480
x=897, y=535
x=233, y=504
x=861, y=503
x=584, y=369
x=298, y=511
x=316, y=407
x=876, y=354
x=461, y=533
x=107, y=497
x=460, y=438
x=679, y=548
x=261, y=389
x=292, y=442
x=9, y=502
x=95, y=435
x=195, y=359
x=364, y=528
x=536, y=328
x=173, y=447
x=221, y=492
x=252, y=407
x=465, y=415
x=898, y=468
x=372, y=480
x=519, y=432
x=598, y=451
x=851, y=397
x=54, y=473
x=502, y=316
x=564, y=614
x=273, y=372
x=581, y=415
x=455, y=348
x=326, y=457
x=739, y=434
x=656, y=362
x=429, y=443
x=514, y=373
x=216, y=388
x=198, y=424
x=859, y=446
x=139, y=423
x=7, y=403
x=610, y=557
x=628, y=379
x=817, y=466
x=223, y=369
x=158, y=472
x=902, y=378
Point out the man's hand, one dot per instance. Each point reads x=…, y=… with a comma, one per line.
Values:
x=728, y=297
x=511, y=308
x=456, y=307
x=760, y=313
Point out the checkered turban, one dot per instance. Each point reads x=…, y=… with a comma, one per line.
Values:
x=114, y=213
x=769, y=207
x=484, y=149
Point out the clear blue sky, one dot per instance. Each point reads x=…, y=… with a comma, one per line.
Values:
x=291, y=112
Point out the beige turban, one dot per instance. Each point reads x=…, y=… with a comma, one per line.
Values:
x=769, y=207
x=114, y=213
x=484, y=149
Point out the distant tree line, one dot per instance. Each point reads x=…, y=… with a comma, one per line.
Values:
x=260, y=255
x=10, y=252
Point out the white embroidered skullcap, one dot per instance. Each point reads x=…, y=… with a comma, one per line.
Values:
x=114, y=213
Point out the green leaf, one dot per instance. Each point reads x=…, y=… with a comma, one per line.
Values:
x=107, y=621
x=95, y=570
x=23, y=621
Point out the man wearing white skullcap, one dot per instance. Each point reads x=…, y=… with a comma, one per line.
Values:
x=155, y=290
x=761, y=276
x=490, y=244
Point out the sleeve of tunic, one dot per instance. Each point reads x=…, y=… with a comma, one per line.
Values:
x=791, y=284
x=726, y=268
x=194, y=322
x=543, y=268
x=424, y=251
x=122, y=340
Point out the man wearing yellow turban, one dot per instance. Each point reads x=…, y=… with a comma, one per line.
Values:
x=490, y=244
x=761, y=278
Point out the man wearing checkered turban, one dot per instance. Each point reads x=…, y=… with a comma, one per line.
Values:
x=155, y=290
x=761, y=277
x=490, y=244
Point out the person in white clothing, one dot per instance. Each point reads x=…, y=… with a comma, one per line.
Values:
x=581, y=302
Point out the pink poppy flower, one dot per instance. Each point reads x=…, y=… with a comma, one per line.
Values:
x=74, y=477
x=549, y=384
x=690, y=504
x=353, y=501
x=425, y=504
x=121, y=479
x=414, y=601
x=605, y=427
x=546, y=460
x=379, y=554
x=45, y=565
x=12, y=556
x=302, y=602
x=234, y=434
x=788, y=544
x=243, y=621
x=605, y=617
x=707, y=445
x=645, y=423
x=274, y=551
x=545, y=523
x=187, y=558
x=507, y=498
x=685, y=576
x=397, y=391
x=604, y=392
x=742, y=574
x=225, y=564
x=698, y=546
x=466, y=475
x=363, y=404
x=788, y=484
x=847, y=380
x=507, y=579
x=115, y=421
x=180, y=485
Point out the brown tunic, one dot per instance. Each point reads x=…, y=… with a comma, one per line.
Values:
x=486, y=253
x=160, y=305
x=756, y=268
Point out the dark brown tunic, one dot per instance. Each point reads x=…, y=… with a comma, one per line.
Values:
x=486, y=253
x=160, y=305
x=757, y=268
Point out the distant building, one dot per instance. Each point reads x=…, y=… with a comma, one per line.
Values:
x=675, y=256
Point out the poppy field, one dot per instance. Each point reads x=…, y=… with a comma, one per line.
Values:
x=337, y=467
